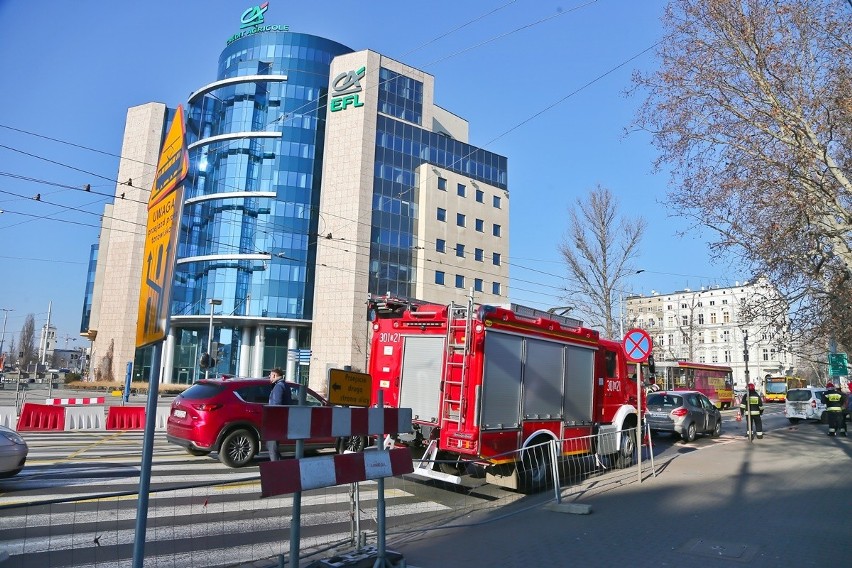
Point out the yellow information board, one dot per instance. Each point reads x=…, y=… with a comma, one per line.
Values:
x=349, y=388
x=158, y=261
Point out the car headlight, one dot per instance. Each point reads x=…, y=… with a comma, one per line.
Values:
x=13, y=437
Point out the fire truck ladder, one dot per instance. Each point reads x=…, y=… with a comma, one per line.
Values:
x=457, y=357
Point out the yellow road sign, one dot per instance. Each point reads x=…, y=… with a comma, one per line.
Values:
x=161, y=239
x=349, y=388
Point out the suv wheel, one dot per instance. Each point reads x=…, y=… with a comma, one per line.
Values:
x=351, y=444
x=238, y=448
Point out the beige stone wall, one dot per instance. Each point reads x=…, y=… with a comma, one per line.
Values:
x=115, y=307
x=430, y=230
x=340, y=330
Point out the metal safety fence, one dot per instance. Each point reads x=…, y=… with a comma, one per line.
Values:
x=224, y=522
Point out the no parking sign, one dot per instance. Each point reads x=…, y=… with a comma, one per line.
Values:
x=637, y=345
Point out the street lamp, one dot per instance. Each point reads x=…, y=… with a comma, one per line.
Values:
x=213, y=303
x=3, y=338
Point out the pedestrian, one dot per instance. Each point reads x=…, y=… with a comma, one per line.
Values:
x=834, y=403
x=751, y=407
x=279, y=396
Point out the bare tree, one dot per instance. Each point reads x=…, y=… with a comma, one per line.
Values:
x=598, y=250
x=27, y=346
x=13, y=353
x=752, y=110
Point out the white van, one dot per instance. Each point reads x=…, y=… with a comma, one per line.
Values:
x=805, y=404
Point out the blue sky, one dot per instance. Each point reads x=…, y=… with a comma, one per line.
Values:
x=518, y=71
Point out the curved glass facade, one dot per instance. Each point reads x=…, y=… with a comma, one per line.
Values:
x=252, y=192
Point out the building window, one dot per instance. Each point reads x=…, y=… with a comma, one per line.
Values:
x=713, y=336
x=700, y=319
x=478, y=254
x=496, y=230
x=684, y=339
x=683, y=306
x=724, y=301
x=712, y=302
x=439, y=277
x=460, y=219
x=714, y=357
x=668, y=306
x=495, y=288
x=441, y=245
x=460, y=250
x=480, y=196
x=701, y=359
x=477, y=284
x=495, y=258
x=670, y=321
x=461, y=190
x=661, y=341
x=442, y=184
x=727, y=356
x=712, y=317
x=684, y=320
x=442, y=214
x=480, y=225
x=726, y=317
x=459, y=281
x=496, y=202
x=765, y=354
x=700, y=337
x=726, y=336
x=671, y=339
x=700, y=304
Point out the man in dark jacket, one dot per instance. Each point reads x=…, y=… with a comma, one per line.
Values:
x=280, y=396
x=834, y=403
x=751, y=407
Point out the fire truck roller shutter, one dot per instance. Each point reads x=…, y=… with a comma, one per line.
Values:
x=543, y=372
x=420, y=384
x=501, y=381
x=579, y=384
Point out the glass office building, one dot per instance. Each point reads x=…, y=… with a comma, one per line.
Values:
x=249, y=223
x=317, y=175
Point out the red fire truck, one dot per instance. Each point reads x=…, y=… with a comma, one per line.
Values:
x=488, y=384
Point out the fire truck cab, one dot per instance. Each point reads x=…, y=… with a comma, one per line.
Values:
x=487, y=384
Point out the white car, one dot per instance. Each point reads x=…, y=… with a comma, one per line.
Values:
x=13, y=452
x=805, y=404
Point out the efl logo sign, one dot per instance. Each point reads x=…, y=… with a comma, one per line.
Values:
x=346, y=89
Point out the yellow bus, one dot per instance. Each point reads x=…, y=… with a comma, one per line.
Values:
x=775, y=388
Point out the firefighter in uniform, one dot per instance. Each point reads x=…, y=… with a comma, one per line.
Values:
x=834, y=400
x=751, y=407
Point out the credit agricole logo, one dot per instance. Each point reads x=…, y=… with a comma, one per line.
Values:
x=345, y=90
x=251, y=22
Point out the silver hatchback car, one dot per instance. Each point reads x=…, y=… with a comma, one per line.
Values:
x=685, y=413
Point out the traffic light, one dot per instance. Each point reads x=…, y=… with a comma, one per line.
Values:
x=652, y=368
x=205, y=361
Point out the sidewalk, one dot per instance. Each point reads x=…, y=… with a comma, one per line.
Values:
x=780, y=501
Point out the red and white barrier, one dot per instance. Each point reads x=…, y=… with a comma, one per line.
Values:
x=288, y=476
x=64, y=401
x=303, y=422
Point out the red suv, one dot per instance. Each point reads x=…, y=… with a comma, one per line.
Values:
x=224, y=416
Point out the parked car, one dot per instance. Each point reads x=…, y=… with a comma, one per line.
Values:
x=685, y=413
x=805, y=404
x=224, y=416
x=13, y=452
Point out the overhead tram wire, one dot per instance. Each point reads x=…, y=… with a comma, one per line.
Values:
x=312, y=107
x=429, y=176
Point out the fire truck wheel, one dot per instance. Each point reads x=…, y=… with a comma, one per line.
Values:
x=535, y=468
x=445, y=464
x=624, y=457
